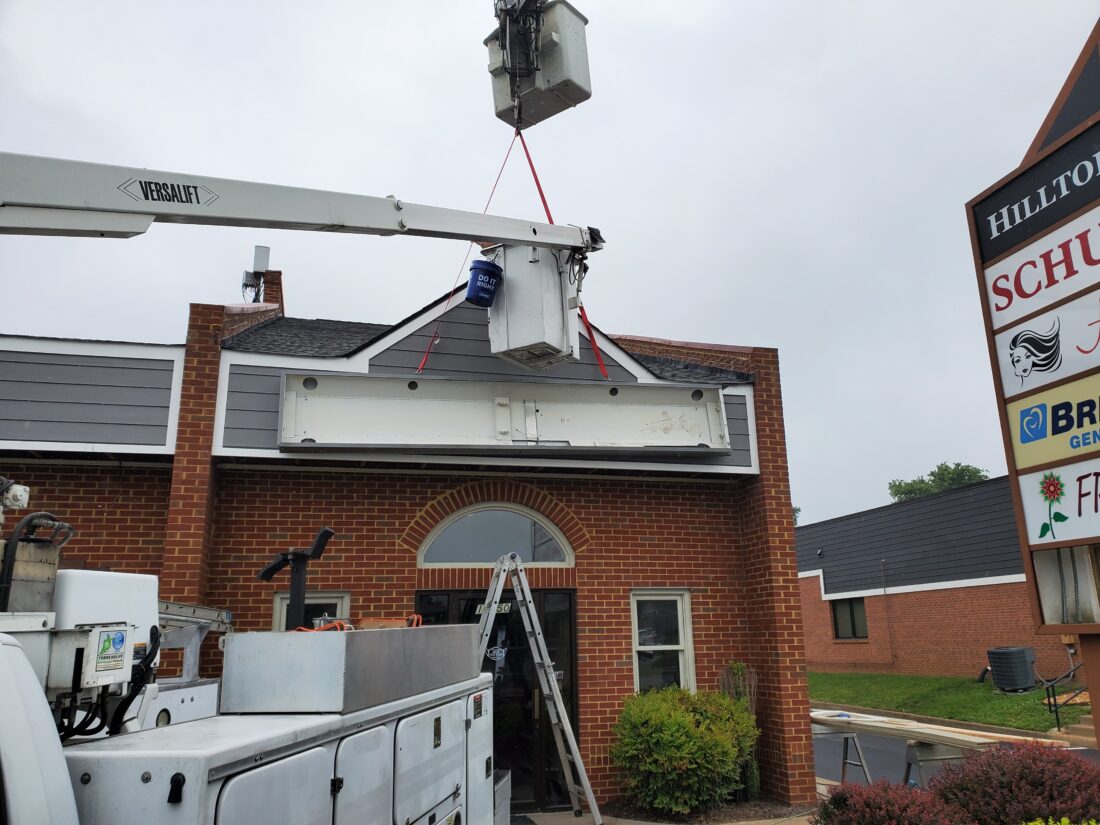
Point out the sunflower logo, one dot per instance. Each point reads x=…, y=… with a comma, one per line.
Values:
x=1052, y=490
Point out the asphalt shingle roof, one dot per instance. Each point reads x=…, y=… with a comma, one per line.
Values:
x=312, y=338
x=671, y=369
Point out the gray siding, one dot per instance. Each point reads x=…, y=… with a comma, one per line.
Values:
x=252, y=407
x=84, y=399
x=969, y=533
x=463, y=352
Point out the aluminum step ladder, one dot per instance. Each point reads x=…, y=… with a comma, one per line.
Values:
x=576, y=779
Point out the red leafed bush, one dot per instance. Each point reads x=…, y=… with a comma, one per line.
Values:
x=1021, y=783
x=884, y=804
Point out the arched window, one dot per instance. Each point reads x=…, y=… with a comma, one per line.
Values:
x=478, y=536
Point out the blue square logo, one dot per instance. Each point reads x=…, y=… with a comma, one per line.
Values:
x=1033, y=423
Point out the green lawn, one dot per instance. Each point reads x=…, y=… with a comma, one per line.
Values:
x=942, y=696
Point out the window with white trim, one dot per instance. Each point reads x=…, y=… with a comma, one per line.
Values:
x=477, y=536
x=663, y=647
x=319, y=604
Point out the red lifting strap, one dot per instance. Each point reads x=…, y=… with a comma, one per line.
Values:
x=469, y=249
x=550, y=219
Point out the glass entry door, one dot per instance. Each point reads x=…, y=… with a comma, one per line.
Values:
x=523, y=740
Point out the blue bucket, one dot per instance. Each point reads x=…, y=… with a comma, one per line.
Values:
x=485, y=279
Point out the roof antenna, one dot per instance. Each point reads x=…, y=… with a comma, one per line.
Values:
x=252, y=283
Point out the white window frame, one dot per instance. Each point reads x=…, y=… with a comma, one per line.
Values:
x=687, y=640
x=534, y=515
x=281, y=602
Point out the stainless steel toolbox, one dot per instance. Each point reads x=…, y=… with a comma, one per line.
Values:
x=337, y=672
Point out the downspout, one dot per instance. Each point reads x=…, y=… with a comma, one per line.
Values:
x=886, y=606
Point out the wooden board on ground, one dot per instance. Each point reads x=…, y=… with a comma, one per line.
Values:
x=916, y=731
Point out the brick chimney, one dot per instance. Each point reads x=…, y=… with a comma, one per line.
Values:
x=273, y=289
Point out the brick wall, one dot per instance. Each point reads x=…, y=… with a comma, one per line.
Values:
x=933, y=632
x=770, y=574
x=690, y=527
x=119, y=511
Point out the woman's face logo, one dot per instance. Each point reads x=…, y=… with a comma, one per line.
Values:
x=1021, y=362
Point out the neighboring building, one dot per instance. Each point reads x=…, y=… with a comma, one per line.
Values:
x=650, y=566
x=924, y=586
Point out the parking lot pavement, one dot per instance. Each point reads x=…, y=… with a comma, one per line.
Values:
x=885, y=758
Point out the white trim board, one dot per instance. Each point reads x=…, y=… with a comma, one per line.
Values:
x=910, y=588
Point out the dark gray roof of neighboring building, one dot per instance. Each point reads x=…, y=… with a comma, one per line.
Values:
x=968, y=533
x=313, y=338
x=671, y=369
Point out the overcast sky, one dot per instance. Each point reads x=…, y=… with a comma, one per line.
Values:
x=778, y=174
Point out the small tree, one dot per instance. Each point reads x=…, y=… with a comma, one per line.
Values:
x=942, y=478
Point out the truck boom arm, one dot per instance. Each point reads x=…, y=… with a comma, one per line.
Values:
x=50, y=196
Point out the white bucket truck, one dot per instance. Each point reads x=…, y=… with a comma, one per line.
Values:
x=316, y=728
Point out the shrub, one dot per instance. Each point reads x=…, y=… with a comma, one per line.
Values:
x=1063, y=821
x=1020, y=784
x=883, y=804
x=682, y=752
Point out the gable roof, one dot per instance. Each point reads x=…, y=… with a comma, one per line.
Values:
x=314, y=338
x=321, y=338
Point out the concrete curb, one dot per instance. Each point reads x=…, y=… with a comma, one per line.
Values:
x=935, y=720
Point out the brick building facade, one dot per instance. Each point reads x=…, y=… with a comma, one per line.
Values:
x=939, y=582
x=206, y=513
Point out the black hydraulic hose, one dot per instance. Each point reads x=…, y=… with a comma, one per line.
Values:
x=99, y=712
x=7, y=565
x=143, y=670
x=96, y=713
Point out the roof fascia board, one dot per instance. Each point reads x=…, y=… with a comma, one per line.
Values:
x=625, y=359
x=437, y=310
x=909, y=588
x=102, y=349
x=411, y=325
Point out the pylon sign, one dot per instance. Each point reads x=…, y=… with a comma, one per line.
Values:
x=1036, y=241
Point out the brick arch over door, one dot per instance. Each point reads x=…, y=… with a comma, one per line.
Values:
x=499, y=491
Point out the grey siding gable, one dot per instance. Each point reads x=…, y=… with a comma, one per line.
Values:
x=969, y=533
x=463, y=352
x=85, y=399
